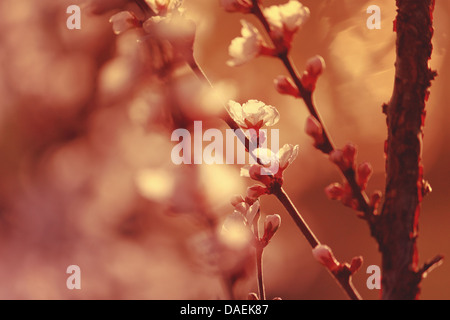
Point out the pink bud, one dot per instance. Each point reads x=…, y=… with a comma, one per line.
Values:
x=236, y=199
x=337, y=157
x=349, y=154
x=259, y=173
x=375, y=199
x=255, y=191
x=241, y=207
x=284, y=85
x=324, y=255
x=334, y=191
x=252, y=296
x=364, y=173
x=314, y=68
x=243, y=6
x=271, y=225
x=315, y=65
x=277, y=298
x=356, y=264
x=313, y=128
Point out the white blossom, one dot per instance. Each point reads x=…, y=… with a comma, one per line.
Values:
x=287, y=18
x=123, y=21
x=253, y=114
x=246, y=47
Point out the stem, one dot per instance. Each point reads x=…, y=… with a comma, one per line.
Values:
x=259, y=267
x=342, y=276
x=295, y=215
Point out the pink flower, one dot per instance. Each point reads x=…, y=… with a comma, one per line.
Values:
x=245, y=48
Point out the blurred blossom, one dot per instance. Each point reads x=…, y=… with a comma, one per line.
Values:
x=245, y=48
x=243, y=6
x=154, y=184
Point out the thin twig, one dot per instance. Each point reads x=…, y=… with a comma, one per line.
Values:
x=282, y=196
x=327, y=147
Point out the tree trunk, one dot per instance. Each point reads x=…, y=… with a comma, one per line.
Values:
x=396, y=228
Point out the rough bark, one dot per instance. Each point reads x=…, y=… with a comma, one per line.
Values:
x=396, y=228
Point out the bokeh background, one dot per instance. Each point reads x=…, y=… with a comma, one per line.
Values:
x=85, y=170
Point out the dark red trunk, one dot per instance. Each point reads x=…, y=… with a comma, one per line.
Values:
x=396, y=229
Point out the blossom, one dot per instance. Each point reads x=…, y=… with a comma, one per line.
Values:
x=123, y=21
x=162, y=7
x=243, y=6
x=246, y=47
x=287, y=18
x=270, y=171
x=253, y=114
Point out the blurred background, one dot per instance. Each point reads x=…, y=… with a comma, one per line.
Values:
x=86, y=176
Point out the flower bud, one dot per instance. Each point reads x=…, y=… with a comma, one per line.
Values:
x=375, y=199
x=236, y=199
x=349, y=154
x=252, y=296
x=313, y=128
x=271, y=225
x=255, y=191
x=324, y=255
x=314, y=68
x=261, y=174
x=364, y=173
x=243, y=6
x=334, y=191
x=356, y=264
x=284, y=85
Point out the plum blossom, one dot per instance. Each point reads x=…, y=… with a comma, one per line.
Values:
x=253, y=114
x=270, y=171
x=286, y=19
x=248, y=46
x=243, y=6
x=162, y=7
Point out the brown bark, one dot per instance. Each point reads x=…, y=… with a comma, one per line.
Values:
x=396, y=228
